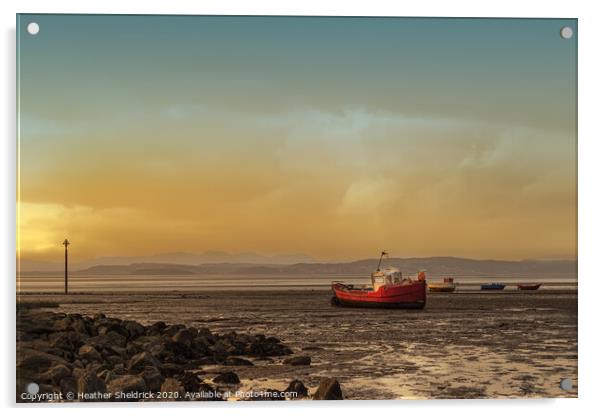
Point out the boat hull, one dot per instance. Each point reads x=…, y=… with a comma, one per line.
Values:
x=446, y=288
x=493, y=287
x=528, y=287
x=401, y=296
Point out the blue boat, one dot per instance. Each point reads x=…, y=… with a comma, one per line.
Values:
x=493, y=286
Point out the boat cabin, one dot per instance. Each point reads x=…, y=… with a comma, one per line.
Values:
x=388, y=276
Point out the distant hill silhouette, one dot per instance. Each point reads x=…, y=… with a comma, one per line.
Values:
x=436, y=266
x=180, y=258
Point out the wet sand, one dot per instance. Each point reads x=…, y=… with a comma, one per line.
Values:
x=462, y=345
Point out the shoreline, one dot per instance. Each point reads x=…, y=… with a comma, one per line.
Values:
x=462, y=345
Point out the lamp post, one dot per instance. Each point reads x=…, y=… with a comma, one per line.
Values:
x=66, y=243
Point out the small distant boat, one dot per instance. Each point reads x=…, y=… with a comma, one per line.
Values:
x=389, y=289
x=493, y=286
x=533, y=286
x=448, y=285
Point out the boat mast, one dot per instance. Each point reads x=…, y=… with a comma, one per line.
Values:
x=384, y=253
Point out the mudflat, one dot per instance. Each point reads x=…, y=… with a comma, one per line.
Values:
x=462, y=345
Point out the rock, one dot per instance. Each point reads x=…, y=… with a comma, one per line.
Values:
x=208, y=393
x=227, y=378
x=139, y=361
x=296, y=386
x=80, y=327
x=103, y=374
x=88, y=382
x=173, y=329
x=29, y=359
x=190, y=381
x=205, y=333
x=302, y=360
x=222, y=348
x=68, y=385
x=99, y=317
x=237, y=361
x=176, y=352
x=329, y=389
x=184, y=336
x=201, y=346
x=96, y=367
x=157, y=327
x=126, y=384
x=171, y=369
x=111, y=325
x=108, y=339
x=55, y=374
x=66, y=340
x=88, y=352
x=266, y=347
x=134, y=329
x=63, y=324
x=173, y=389
x=113, y=360
x=153, y=378
x=110, y=376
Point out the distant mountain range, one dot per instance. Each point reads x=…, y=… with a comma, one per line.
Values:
x=179, y=258
x=236, y=265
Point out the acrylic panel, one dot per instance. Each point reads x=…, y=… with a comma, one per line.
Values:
x=295, y=208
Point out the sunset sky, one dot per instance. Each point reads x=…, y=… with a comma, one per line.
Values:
x=333, y=137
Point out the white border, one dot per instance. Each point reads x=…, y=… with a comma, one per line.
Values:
x=590, y=200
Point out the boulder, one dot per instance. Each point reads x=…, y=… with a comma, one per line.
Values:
x=171, y=369
x=79, y=326
x=205, y=333
x=30, y=359
x=63, y=324
x=184, y=337
x=171, y=330
x=209, y=393
x=66, y=340
x=296, y=386
x=88, y=382
x=227, y=378
x=302, y=360
x=173, y=389
x=134, y=329
x=139, y=361
x=68, y=385
x=202, y=346
x=126, y=384
x=152, y=377
x=89, y=353
x=113, y=360
x=108, y=339
x=157, y=327
x=55, y=374
x=190, y=381
x=329, y=389
x=99, y=317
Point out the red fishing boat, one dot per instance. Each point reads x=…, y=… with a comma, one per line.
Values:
x=389, y=289
x=534, y=286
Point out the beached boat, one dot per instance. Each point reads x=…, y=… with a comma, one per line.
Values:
x=531, y=286
x=493, y=286
x=448, y=285
x=389, y=289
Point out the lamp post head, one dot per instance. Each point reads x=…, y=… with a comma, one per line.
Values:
x=66, y=243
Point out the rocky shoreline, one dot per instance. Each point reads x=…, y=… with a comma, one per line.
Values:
x=71, y=357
